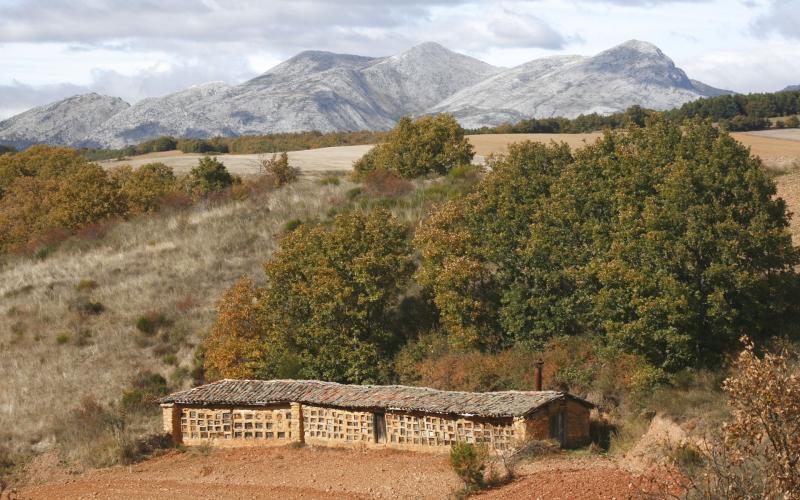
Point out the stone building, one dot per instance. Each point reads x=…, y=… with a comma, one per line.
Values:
x=264, y=412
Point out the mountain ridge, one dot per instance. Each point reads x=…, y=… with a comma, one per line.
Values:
x=326, y=91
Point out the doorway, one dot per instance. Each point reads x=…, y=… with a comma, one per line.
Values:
x=558, y=427
x=379, y=424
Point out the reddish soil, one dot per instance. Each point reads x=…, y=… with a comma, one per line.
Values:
x=327, y=473
x=570, y=477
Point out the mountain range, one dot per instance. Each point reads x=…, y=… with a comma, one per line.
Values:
x=323, y=91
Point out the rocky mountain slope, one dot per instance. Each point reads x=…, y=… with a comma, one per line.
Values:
x=324, y=91
x=634, y=72
x=68, y=121
x=311, y=91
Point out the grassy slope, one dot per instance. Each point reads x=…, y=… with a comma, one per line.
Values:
x=176, y=263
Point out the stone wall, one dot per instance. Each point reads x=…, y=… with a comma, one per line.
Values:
x=575, y=421
x=283, y=424
x=407, y=430
x=577, y=426
x=324, y=425
x=247, y=426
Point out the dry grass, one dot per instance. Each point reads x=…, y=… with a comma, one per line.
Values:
x=176, y=264
x=170, y=266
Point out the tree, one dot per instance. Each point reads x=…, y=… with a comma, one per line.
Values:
x=329, y=296
x=208, y=176
x=326, y=310
x=470, y=246
x=664, y=241
x=430, y=144
x=235, y=346
x=144, y=187
x=45, y=162
x=24, y=209
x=85, y=196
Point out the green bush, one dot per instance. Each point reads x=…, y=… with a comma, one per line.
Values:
x=85, y=307
x=151, y=322
x=145, y=388
x=468, y=461
x=291, y=225
x=208, y=176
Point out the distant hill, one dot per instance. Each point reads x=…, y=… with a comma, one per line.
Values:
x=792, y=88
x=328, y=92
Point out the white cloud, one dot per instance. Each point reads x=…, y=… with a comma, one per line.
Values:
x=782, y=18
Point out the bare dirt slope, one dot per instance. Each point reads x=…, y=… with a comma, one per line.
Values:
x=330, y=473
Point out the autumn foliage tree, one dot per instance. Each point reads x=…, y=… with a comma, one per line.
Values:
x=48, y=193
x=235, y=346
x=430, y=144
x=325, y=311
x=764, y=395
x=145, y=186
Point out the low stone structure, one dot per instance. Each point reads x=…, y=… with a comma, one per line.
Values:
x=265, y=412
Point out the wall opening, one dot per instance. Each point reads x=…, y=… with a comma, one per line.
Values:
x=379, y=422
x=558, y=427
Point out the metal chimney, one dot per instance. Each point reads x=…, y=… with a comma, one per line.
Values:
x=537, y=375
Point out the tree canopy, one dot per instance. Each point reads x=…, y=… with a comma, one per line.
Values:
x=325, y=311
x=666, y=242
x=430, y=144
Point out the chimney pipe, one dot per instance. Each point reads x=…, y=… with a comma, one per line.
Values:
x=537, y=375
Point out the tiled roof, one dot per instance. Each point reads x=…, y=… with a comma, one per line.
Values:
x=389, y=397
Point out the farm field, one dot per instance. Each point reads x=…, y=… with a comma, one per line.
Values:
x=310, y=161
x=778, y=148
x=326, y=473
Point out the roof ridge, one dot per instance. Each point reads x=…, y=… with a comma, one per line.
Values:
x=399, y=386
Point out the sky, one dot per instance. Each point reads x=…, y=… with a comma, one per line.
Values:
x=143, y=48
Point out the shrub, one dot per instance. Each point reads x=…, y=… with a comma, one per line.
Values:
x=92, y=434
x=354, y=193
x=85, y=307
x=151, y=322
x=208, y=176
x=145, y=187
x=145, y=388
x=330, y=180
x=386, y=183
x=278, y=169
x=86, y=285
x=468, y=461
x=291, y=225
x=793, y=122
x=62, y=338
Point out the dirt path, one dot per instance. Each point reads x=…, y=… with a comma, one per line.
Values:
x=326, y=473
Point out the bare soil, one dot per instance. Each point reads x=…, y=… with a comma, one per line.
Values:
x=329, y=473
